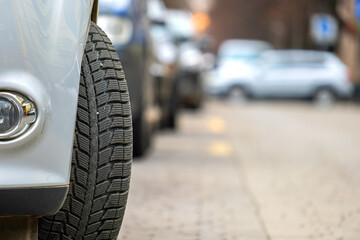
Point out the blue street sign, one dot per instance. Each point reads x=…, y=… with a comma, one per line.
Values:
x=357, y=9
x=324, y=29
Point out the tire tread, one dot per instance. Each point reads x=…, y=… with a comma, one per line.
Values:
x=102, y=154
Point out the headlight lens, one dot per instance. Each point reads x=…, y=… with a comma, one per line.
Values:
x=9, y=115
x=17, y=113
x=118, y=29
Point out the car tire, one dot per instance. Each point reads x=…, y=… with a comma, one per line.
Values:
x=102, y=152
x=142, y=135
x=196, y=103
x=324, y=97
x=170, y=121
x=238, y=94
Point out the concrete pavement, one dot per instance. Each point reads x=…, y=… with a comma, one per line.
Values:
x=255, y=171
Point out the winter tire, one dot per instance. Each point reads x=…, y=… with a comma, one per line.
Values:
x=102, y=152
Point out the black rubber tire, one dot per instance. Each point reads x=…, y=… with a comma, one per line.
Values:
x=142, y=136
x=170, y=121
x=102, y=152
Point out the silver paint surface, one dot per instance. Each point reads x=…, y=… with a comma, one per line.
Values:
x=41, y=46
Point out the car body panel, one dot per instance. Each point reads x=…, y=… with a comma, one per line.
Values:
x=42, y=45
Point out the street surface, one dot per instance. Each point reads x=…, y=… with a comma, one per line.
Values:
x=264, y=170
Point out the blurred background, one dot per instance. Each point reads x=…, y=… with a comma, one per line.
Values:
x=245, y=117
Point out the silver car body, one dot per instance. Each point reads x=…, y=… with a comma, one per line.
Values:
x=300, y=74
x=283, y=74
x=42, y=45
x=237, y=64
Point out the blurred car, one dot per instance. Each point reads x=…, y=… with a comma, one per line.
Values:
x=164, y=66
x=303, y=74
x=191, y=61
x=298, y=74
x=237, y=66
x=127, y=26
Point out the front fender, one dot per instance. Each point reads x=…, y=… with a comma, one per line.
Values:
x=42, y=44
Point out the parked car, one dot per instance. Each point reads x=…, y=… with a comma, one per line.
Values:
x=238, y=64
x=65, y=123
x=191, y=61
x=164, y=67
x=127, y=25
x=303, y=74
x=290, y=74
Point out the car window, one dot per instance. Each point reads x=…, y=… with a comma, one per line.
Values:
x=295, y=65
x=241, y=54
x=295, y=60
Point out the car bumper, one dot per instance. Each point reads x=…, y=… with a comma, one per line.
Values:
x=41, y=59
x=32, y=201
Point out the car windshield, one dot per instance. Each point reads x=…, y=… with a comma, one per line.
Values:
x=180, y=24
x=244, y=55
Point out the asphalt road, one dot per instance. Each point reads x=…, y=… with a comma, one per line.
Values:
x=256, y=171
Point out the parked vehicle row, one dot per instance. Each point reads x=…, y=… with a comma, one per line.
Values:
x=191, y=59
x=70, y=122
x=65, y=123
x=126, y=25
x=162, y=64
x=251, y=69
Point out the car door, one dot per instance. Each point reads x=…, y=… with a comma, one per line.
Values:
x=284, y=81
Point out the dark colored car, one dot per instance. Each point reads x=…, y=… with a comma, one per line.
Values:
x=127, y=25
x=164, y=67
x=191, y=61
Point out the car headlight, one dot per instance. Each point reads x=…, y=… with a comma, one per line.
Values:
x=118, y=29
x=8, y=115
x=16, y=115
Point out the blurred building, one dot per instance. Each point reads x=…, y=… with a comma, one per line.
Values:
x=284, y=23
x=348, y=44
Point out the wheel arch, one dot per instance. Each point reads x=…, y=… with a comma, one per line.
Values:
x=241, y=86
x=329, y=87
